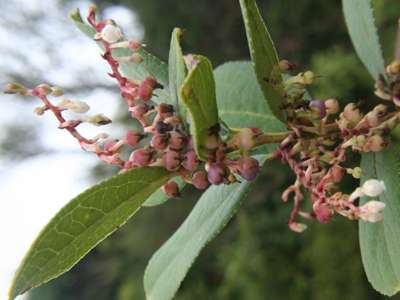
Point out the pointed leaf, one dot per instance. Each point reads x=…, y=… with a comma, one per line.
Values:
x=264, y=57
x=379, y=242
x=169, y=265
x=83, y=223
x=177, y=71
x=198, y=96
x=360, y=23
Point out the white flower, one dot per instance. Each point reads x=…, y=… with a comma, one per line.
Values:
x=370, y=188
x=111, y=33
x=372, y=211
x=373, y=187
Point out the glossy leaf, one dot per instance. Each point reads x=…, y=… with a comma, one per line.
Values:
x=150, y=66
x=177, y=70
x=159, y=196
x=379, y=242
x=169, y=265
x=264, y=57
x=360, y=23
x=198, y=95
x=83, y=223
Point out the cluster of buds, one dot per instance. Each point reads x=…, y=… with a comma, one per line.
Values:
x=163, y=140
x=315, y=147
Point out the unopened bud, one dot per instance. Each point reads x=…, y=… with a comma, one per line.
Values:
x=356, y=172
x=190, y=161
x=141, y=157
x=375, y=143
x=111, y=33
x=200, y=180
x=373, y=187
x=308, y=77
x=177, y=141
x=162, y=127
x=99, y=120
x=146, y=88
x=248, y=168
x=159, y=141
x=285, y=66
x=138, y=111
x=217, y=173
x=393, y=68
x=332, y=106
x=337, y=173
x=56, y=91
x=40, y=110
x=319, y=107
x=352, y=113
x=372, y=211
x=43, y=89
x=171, y=160
x=132, y=138
x=14, y=88
x=244, y=139
x=323, y=212
x=171, y=189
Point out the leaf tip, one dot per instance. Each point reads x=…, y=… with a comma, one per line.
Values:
x=75, y=15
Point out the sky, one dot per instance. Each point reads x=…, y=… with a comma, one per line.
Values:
x=34, y=189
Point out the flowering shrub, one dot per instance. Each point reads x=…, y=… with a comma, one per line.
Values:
x=187, y=137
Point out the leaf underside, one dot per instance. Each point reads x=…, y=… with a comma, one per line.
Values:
x=379, y=242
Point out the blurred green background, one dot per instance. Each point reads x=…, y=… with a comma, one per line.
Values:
x=256, y=257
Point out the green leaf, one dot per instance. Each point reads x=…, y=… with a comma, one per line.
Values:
x=159, y=196
x=198, y=95
x=379, y=242
x=83, y=223
x=264, y=57
x=360, y=23
x=150, y=66
x=240, y=99
x=169, y=265
x=177, y=71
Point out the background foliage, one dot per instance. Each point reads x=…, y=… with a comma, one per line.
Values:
x=256, y=257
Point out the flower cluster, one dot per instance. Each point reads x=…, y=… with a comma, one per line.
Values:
x=163, y=141
x=316, y=145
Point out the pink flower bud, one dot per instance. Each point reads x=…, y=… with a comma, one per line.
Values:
x=132, y=138
x=190, y=161
x=217, y=173
x=109, y=145
x=200, y=180
x=171, y=160
x=177, y=141
x=141, y=157
x=171, y=189
x=337, y=173
x=248, y=168
x=322, y=212
x=138, y=111
x=159, y=141
x=165, y=110
x=43, y=89
x=146, y=88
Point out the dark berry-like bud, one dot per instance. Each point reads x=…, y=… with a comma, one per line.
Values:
x=248, y=168
x=190, y=161
x=141, y=157
x=171, y=189
x=319, y=107
x=172, y=160
x=217, y=173
x=146, y=88
x=162, y=127
x=132, y=138
x=200, y=180
x=177, y=141
x=165, y=110
x=159, y=141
